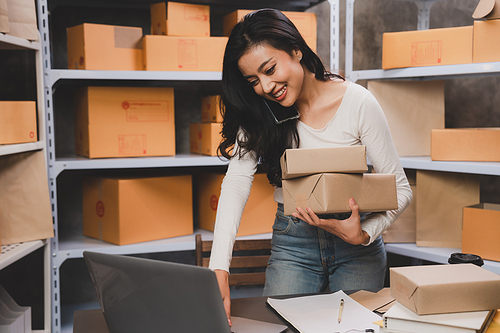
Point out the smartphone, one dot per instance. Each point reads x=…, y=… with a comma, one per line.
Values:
x=281, y=113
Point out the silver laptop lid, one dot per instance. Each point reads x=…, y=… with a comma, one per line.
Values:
x=144, y=295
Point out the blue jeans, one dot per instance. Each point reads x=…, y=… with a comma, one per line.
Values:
x=307, y=259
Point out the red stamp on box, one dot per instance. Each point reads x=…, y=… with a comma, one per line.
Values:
x=214, y=201
x=99, y=208
x=147, y=110
x=187, y=53
x=426, y=53
x=132, y=144
x=32, y=135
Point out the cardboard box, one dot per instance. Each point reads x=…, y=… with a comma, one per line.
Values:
x=303, y=162
x=441, y=197
x=210, y=109
x=180, y=19
x=167, y=53
x=481, y=230
x=446, y=46
x=205, y=138
x=404, y=229
x=488, y=9
x=330, y=192
x=259, y=213
x=104, y=47
x=18, y=122
x=466, y=144
x=433, y=289
x=124, y=122
x=126, y=211
x=306, y=24
x=413, y=109
x=486, y=41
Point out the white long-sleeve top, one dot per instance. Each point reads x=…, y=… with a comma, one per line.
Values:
x=359, y=120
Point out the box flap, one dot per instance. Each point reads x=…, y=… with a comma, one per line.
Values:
x=486, y=9
x=297, y=193
x=402, y=287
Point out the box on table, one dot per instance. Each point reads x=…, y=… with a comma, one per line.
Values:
x=180, y=19
x=168, y=53
x=446, y=46
x=304, y=162
x=18, y=122
x=441, y=197
x=124, y=122
x=330, y=192
x=433, y=289
x=210, y=109
x=403, y=230
x=259, y=213
x=205, y=138
x=126, y=211
x=306, y=24
x=486, y=41
x=413, y=109
x=104, y=47
x=466, y=144
x=481, y=230
x=488, y=9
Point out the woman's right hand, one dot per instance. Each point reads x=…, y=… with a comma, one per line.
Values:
x=223, y=280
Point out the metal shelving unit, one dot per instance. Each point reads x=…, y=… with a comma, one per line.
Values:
x=73, y=243
x=12, y=253
x=438, y=255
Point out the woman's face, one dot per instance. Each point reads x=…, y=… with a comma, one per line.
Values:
x=273, y=74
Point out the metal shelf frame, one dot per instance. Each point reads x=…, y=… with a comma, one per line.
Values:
x=73, y=247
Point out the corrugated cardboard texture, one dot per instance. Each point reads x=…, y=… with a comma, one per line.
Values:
x=104, y=47
x=304, y=162
x=124, y=122
x=486, y=41
x=330, y=192
x=441, y=197
x=24, y=199
x=306, y=24
x=205, y=138
x=260, y=209
x=18, y=122
x=4, y=16
x=210, y=109
x=447, y=46
x=167, y=53
x=481, y=231
x=404, y=229
x=180, y=19
x=22, y=19
x=466, y=144
x=489, y=9
x=433, y=289
x=126, y=211
x=412, y=109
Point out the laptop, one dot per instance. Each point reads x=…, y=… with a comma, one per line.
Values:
x=144, y=295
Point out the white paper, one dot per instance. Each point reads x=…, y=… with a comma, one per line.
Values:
x=244, y=325
x=319, y=313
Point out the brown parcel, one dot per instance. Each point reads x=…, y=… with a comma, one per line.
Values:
x=488, y=9
x=481, y=230
x=466, y=144
x=17, y=122
x=204, y=138
x=446, y=46
x=210, y=109
x=433, y=289
x=486, y=46
x=180, y=19
x=297, y=162
x=330, y=192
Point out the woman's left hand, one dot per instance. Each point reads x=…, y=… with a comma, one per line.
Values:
x=348, y=230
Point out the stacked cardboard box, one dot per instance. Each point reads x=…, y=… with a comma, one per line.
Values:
x=205, y=137
x=260, y=209
x=481, y=230
x=17, y=122
x=125, y=211
x=181, y=39
x=486, y=31
x=324, y=179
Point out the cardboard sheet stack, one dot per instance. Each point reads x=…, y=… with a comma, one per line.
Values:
x=442, y=298
x=13, y=318
x=324, y=179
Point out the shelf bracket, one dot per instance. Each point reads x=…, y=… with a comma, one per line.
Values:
x=334, y=34
x=424, y=10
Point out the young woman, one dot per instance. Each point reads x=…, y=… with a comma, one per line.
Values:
x=267, y=59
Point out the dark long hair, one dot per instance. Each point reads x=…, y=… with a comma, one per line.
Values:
x=243, y=109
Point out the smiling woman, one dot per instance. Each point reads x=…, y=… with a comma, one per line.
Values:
x=267, y=61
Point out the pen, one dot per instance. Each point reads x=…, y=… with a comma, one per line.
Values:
x=341, y=309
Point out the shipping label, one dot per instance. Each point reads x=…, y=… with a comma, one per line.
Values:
x=132, y=144
x=426, y=53
x=147, y=111
x=187, y=54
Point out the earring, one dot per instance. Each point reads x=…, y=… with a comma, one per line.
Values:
x=300, y=58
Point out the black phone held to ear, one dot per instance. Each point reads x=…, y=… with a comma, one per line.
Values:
x=281, y=113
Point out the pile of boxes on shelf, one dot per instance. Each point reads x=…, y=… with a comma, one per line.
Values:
x=204, y=137
x=13, y=318
x=446, y=209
